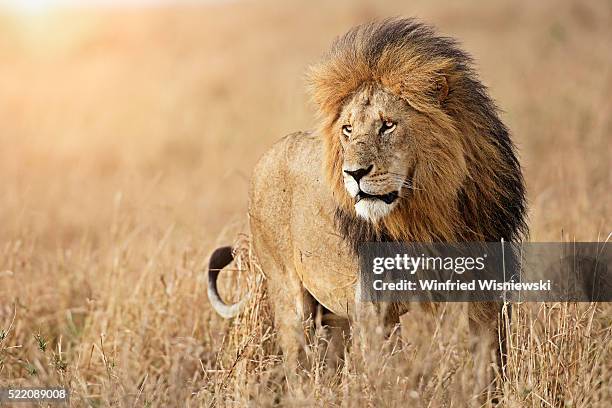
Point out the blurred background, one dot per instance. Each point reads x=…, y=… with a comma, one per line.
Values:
x=171, y=103
x=129, y=129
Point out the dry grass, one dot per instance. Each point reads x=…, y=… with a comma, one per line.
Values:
x=127, y=142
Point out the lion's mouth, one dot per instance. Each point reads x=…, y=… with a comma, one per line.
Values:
x=387, y=198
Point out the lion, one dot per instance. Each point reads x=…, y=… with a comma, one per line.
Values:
x=410, y=147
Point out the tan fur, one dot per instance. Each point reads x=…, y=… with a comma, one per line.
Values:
x=448, y=141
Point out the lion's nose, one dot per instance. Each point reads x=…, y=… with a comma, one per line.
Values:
x=359, y=173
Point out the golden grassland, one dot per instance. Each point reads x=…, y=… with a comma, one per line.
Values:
x=128, y=137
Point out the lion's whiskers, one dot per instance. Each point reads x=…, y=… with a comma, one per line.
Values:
x=396, y=177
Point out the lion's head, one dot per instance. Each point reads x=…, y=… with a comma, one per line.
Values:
x=415, y=149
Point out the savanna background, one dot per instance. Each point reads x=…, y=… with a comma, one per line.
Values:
x=128, y=133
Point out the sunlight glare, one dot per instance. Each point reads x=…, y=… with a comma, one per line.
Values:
x=28, y=6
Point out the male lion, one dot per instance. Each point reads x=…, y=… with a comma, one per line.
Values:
x=410, y=148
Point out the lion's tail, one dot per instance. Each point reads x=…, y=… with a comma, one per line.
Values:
x=219, y=260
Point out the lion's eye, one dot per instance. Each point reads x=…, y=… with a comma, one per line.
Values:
x=346, y=130
x=387, y=127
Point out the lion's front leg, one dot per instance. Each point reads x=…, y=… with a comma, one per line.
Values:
x=487, y=340
x=373, y=324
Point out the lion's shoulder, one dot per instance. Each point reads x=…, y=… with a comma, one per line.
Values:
x=296, y=155
x=291, y=165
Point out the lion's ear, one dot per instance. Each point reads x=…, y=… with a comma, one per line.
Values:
x=441, y=88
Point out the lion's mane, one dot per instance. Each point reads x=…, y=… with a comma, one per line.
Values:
x=478, y=198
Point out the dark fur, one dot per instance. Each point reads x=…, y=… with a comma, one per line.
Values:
x=491, y=204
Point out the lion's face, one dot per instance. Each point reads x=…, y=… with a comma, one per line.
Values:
x=378, y=157
x=414, y=148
